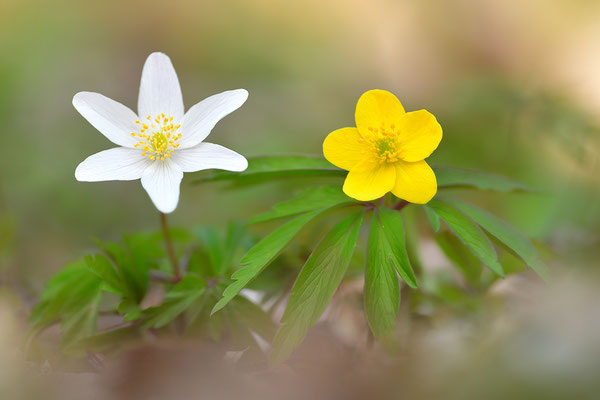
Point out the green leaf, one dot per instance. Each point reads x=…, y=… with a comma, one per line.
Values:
x=266, y=168
x=177, y=300
x=394, y=244
x=511, y=237
x=307, y=200
x=458, y=177
x=469, y=233
x=245, y=317
x=132, y=267
x=234, y=240
x=458, y=254
x=411, y=221
x=108, y=342
x=82, y=323
x=215, y=248
x=382, y=293
x=103, y=268
x=433, y=218
x=316, y=285
x=261, y=255
x=71, y=298
x=130, y=310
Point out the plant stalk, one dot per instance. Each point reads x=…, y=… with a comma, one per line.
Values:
x=400, y=205
x=169, y=245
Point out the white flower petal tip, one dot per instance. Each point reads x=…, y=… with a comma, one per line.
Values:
x=161, y=181
x=201, y=118
x=210, y=156
x=160, y=91
x=111, y=118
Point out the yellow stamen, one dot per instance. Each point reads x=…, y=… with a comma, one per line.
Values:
x=160, y=141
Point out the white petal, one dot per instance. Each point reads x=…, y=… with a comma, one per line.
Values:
x=118, y=164
x=112, y=119
x=209, y=156
x=159, y=90
x=202, y=118
x=161, y=180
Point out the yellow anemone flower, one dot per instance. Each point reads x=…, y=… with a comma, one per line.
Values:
x=386, y=150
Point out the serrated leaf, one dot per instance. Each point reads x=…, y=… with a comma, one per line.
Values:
x=469, y=233
x=65, y=294
x=261, y=255
x=511, y=237
x=177, y=300
x=266, y=168
x=434, y=219
x=132, y=267
x=382, y=293
x=393, y=242
x=71, y=298
x=82, y=323
x=316, y=284
x=306, y=200
x=458, y=177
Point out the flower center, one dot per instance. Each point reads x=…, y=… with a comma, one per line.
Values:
x=158, y=137
x=383, y=143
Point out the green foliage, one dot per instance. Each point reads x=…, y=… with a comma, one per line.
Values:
x=219, y=265
x=307, y=200
x=177, y=300
x=267, y=168
x=382, y=293
x=469, y=233
x=434, y=219
x=117, y=281
x=512, y=238
x=460, y=256
x=316, y=285
x=71, y=299
x=263, y=253
x=448, y=177
x=393, y=244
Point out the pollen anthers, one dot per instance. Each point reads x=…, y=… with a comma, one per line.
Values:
x=158, y=137
x=383, y=143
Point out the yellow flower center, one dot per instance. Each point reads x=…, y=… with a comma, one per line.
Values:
x=383, y=143
x=157, y=137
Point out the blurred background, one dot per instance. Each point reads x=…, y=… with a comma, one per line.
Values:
x=515, y=86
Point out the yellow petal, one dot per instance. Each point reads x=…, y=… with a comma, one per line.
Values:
x=419, y=135
x=377, y=107
x=415, y=182
x=343, y=148
x=370, y=180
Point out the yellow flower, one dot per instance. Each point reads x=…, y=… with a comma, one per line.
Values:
x=386, y=150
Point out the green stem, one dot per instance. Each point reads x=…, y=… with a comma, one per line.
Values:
x=169, y=245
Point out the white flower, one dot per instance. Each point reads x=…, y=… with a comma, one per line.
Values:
x=161, y=142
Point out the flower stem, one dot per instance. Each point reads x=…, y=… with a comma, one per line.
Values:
x=169, y=245
x=400, y=205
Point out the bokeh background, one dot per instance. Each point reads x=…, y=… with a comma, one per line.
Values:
x=514, y=84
